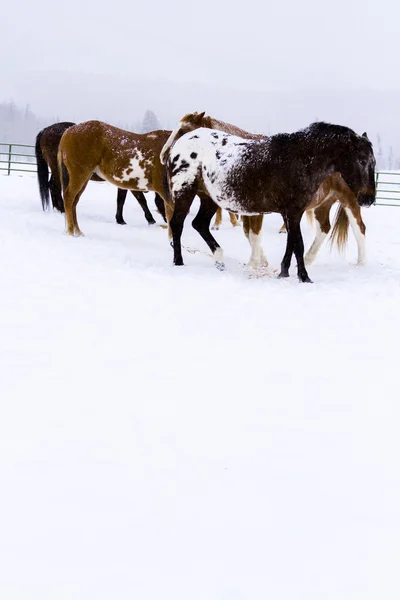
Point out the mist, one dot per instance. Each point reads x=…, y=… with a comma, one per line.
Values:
x=265, y=67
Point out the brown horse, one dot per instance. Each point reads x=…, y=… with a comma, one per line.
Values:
x=128, y=160
x=285, y=173
x=252, y=225
x=46, y=148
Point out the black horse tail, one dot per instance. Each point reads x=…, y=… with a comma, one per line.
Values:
x=340, y=229
x=42, y=173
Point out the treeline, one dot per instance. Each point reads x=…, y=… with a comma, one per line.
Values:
x=21, y=125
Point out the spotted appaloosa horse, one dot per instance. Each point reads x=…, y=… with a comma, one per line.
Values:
x=46, y=148
x=253, y=224
x=193, y=121
x=282, y=174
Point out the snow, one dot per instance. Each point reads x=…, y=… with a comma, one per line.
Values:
x=182, y=433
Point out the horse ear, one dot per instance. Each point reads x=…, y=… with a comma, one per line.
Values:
x=365, y=135
x=200, y=116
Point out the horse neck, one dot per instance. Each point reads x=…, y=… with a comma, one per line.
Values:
x=231, y=129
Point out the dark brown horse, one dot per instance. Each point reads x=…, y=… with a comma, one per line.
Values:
x=46, y=148
x=252, y=225
x=284, y=174
x=192, y=121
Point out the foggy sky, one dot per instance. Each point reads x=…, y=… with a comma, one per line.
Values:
x=68, y=58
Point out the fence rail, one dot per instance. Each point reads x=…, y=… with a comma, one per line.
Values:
x=10, y=155
x=387, y=182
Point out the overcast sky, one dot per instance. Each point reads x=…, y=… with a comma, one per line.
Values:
x=69, y=58
x=280, y=44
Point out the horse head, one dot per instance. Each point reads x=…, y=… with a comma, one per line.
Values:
x=189, y=122
x=358, y=169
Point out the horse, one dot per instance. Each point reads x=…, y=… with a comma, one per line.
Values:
x=130, y=161
x=193, y=121
x=285, y=173
x=46, y=148
x=339, y=233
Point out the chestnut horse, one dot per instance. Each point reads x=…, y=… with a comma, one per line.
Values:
x=128, y=160
x=284, y=173
x=46, y=148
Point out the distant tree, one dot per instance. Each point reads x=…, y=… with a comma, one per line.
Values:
x=379, y=153
x=390, y=159
x=150, y=122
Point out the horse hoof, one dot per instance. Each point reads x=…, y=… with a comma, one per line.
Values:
x=153, y=222
x=215, y=228
x=304, y=279
x=178, y=263
x=283, y=275
x=120, y=222
x=220, y=265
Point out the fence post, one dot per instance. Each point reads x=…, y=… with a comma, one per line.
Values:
x=9, y=158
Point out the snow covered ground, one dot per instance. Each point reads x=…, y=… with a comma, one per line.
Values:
x=185, y=434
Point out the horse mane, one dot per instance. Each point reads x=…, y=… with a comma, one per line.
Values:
x=212, y=123
x=330, y=130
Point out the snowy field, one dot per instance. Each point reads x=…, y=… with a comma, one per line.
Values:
x=185, y=434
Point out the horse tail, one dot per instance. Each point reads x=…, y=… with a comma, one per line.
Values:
x=165, y=183
x=340, y=229
x=42, y=173
x=62, y=171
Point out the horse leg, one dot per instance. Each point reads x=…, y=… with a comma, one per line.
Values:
x=218, y=219
x=52, y=193
x=77, y=231
x=143, y=204
x=70, y=192
x=252, y=229
x=169, y=212
x=201, y=223
x=121, y=197
x=294, y=244
x=55, y=187
x=358, y=226
x=322, y=228
x=233, y=219
x=159, y=202
x=183, y=201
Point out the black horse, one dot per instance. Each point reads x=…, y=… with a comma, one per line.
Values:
x=280, y=174
x=46, y=148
